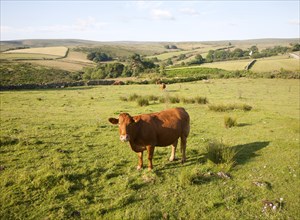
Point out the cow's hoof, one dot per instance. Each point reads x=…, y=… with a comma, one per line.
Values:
x=139, y=168
x=183, y=161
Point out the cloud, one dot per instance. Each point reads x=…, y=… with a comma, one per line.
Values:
x=88, y=23
x=146, y=5
x=81, y=25
x=294, y=22
x=160, y=14
x=189, y=11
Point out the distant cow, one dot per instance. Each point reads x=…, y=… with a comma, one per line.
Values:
x=118, y=83
x=146, y=131
x=163, y=86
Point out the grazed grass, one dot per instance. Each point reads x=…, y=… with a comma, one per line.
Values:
x=60, y=158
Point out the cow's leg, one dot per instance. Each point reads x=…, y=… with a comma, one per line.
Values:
x=183, y=148
x=140, y=164
x=150, y=150
x=174, y=145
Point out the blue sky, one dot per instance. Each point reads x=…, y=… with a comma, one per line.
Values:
x=149, y=20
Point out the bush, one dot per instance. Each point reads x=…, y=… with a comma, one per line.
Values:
x=229, y=122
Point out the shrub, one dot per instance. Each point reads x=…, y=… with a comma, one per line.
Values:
x=142, y=101
x=220, y=154
x=229, y=122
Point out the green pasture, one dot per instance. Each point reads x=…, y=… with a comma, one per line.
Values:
x=60, y=158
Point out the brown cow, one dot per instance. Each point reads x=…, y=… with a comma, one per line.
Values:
x=163, y=86
x=146, y=131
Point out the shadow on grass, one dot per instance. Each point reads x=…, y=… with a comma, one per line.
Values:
x=245, y=152
x=243, y=124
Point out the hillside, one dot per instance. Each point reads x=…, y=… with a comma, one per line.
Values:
x=174, y=57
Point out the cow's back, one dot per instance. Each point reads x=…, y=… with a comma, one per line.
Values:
x=163, y=128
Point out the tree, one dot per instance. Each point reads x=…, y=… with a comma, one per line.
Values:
x=198, y=60
x=162, y=69
x=237, y=53
x=296, y=47
x=169, y=62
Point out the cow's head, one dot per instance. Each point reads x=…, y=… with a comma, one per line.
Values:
x=126, y=123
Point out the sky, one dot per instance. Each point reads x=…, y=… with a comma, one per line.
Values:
x=149, y=20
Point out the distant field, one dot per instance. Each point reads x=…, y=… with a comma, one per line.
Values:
x=54, y=51
x=191, y=51
x=26, y=56
x=77, y=57
x=75, y=61
x=68, y=65
x=269, y=65
x=228, y=65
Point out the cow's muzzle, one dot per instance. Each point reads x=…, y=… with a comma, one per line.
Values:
x=124, y=137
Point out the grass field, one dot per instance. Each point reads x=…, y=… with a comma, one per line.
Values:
x=26, y=56
x=276, y=64
x=54, y=51
x=228, y=65
x=60, y=158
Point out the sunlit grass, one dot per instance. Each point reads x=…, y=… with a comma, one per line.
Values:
x=60, y=158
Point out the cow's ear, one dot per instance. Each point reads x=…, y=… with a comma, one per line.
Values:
x=113, y=121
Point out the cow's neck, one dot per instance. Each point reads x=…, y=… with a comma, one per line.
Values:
x=133, y=138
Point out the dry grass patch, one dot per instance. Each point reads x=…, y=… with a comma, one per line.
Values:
x=55, y=51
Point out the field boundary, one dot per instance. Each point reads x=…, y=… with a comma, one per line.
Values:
x=250, y=64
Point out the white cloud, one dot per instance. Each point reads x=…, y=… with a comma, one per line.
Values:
x=146, y=5
x=81, y=25
x=189, y=11
x=88, y=23
x=159, y=14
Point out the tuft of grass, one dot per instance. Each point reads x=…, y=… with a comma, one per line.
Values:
x=220, y=154
x=124, y=99
x=173, y=99
x=8, y=140
x=188, y=100
x=201, y=100
x=229, y=107
x=153, y=98
x=142, y=101
x=133, y=97
x=229, y=122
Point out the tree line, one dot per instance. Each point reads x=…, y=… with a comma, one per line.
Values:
x=252, y=52
x=134, y=67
